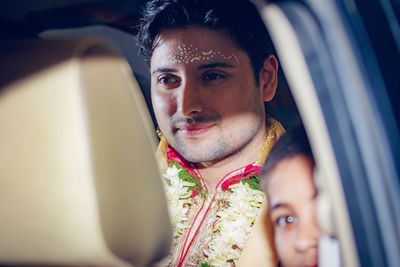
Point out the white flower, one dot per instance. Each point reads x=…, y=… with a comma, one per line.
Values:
x=234, y=224
x=177, y=192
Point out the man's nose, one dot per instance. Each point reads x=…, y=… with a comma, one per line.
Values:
x=190, y=99
x=307, y=235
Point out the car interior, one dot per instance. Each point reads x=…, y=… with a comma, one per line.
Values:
x=67, y=190
x=79, y=183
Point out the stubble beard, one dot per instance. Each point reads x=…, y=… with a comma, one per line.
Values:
x=205, y=153
x=222, y=148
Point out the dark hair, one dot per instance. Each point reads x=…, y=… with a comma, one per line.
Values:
x=239, y=18
x=292, y=143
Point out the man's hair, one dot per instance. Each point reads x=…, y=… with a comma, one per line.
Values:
x=239, y=18
x=293, y=143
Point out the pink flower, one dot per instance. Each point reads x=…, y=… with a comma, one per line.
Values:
x=194, y=193
x=248, y=171
x=173, y=155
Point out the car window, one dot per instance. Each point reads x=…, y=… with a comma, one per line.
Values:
x=353, y=90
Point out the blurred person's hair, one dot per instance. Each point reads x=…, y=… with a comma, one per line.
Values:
x=291, y=144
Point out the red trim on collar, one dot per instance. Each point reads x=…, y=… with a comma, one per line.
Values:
x=172, y=154
x=248, y=171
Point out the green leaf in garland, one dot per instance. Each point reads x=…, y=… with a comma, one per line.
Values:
x=185, y=176
x=204, y=264
x=253, y=182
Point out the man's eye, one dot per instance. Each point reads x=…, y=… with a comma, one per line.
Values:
x=212, y=76
x=168, y=80
x=284, y=221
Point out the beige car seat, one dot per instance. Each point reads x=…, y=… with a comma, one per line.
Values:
x=79, y=184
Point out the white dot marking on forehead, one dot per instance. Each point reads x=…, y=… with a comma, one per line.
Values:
x=194, y=59
x=207, y=53
x=188, y=54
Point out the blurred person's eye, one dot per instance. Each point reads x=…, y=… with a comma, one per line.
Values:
x=286, y=220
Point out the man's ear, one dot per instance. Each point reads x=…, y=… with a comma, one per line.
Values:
x=269, y=78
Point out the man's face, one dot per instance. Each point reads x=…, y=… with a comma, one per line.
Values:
x=291, y=193
x=204, y=93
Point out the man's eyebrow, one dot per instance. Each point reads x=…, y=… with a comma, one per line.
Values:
x=163, y=70
x=215, y=65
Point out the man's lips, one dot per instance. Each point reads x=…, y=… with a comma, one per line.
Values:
x=194, y=129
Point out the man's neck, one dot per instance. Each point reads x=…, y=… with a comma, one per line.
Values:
x=213, y=172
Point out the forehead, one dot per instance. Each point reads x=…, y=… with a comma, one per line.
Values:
x=188, y=45
x=291, y=180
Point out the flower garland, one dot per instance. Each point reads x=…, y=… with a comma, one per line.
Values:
x=180, y=190
x=235, y=220
x=236, y=211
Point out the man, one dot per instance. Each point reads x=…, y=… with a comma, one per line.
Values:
x=211, y=71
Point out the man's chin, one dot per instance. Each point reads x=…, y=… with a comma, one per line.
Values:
x=196, y=158
x=200, y=154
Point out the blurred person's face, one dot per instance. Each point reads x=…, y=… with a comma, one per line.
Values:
x=292, y=193
x=204, y=93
